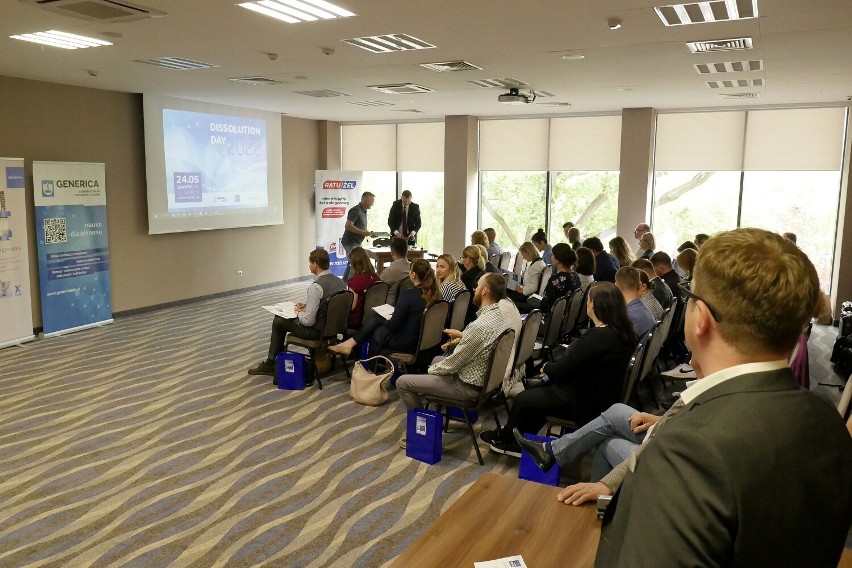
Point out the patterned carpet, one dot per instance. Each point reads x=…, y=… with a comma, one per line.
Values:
x=145, y=443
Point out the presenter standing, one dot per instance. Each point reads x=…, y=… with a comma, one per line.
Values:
x=356, y=227
x=404, y=218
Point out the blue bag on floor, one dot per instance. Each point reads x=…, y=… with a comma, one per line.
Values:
x=423, y=435
x=290, y=369
x=529, y=471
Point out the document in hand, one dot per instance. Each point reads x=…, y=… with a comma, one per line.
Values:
x=385, y=310
x=286, y=310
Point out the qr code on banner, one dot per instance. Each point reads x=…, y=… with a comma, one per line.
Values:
x=55, y=231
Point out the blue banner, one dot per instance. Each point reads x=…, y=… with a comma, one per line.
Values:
x=73, y=249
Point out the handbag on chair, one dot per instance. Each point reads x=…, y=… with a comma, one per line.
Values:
x=369, y=388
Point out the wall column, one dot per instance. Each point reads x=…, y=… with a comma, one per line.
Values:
x=461, y=181
x=638, y=130
x=841, y=280
x=329, y=145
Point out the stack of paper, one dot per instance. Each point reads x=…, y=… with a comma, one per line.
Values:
x=286, y=310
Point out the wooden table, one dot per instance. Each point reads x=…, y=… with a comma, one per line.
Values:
x=500, y=516
x=382, y=255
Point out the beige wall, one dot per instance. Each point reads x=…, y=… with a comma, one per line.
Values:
x=461, y=181
x=638, y=130
x=46, y=121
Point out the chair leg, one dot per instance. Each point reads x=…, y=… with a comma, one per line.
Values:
x=473, y=437
x=314, y=369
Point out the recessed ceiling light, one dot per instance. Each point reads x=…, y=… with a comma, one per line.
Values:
x=573, y=57
x=614, y=24
x=296, y=11
x=707, y=12
x=177, y=63
x=64, y=40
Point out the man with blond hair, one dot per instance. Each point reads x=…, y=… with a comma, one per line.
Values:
x=750, y=470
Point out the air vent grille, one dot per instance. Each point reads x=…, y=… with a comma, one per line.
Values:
x=711, y=46
x=371, y=103
x=411, y=110
x=177, y=63
x=323, y=93
x=256, y=81
x=556, y=103
x=707, y=12
x=503, y=83
x=389, y=43
x=729, y=67
x=98, y=10
x=451, y=66
x=401, y=89
x=738, y=96
x=735, y=83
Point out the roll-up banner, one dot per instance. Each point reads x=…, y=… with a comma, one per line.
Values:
x=334, y=193
x=16, y=316
x=73, y=251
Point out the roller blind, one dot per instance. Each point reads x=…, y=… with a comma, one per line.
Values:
x=795, y=139
x=420, y=147
x=706, y=141
x=519, y=145
x=370, y=147
x=585, y=143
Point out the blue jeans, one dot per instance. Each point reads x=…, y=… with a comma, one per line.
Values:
x=610, y=433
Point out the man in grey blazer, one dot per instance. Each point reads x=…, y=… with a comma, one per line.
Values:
x=753, y=470
x=397, y=270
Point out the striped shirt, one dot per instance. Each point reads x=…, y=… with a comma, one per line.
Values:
x=470, y=359
x=451, y=288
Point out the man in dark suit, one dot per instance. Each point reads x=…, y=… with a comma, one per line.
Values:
x=751, y=470
x=606, y=265
x=404, y=218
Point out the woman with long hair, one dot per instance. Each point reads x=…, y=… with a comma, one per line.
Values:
x=401, y=331
x=585, y=381
x=619, y=249
x=530, y=276
x=474, y=265
x=574, y=238
x=646, y=294
x=686, y=261
x=564, y=280
x=647, y=244
x=449, y=277
x=539, y=239
x=585, y=267
x=361, y=276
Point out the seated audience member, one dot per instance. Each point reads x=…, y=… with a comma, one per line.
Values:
x=754, y=471
x=683, y=246
x=362, y=275
x=619, y=249
x=646, y=245
x=660, y=289
x=585, y=267
x=564, y=280
x=585, y=381
x=489, y=266
x=449, y=277
x=493, y=248
x=686, y=261
x=606, y=265
x=700, y=239
x=530, y=276
x=310, y=315
x=479, y=238
x=662, y=263
x=474, y=264
x=790, y=237
x=566, y=228
x=574, y=238
x=398, y=269
x=627, y=280
x=540, y=241
x=640, y=230
x=461, y=375
x=686, y=245
x=647, y=296
x=402, y=330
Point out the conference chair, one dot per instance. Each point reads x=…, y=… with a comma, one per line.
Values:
x=505, y=261
x=653, y=344
x=431, y=335
x=544, y=278
x=576, y=308
x=843, y=405
x=458, y=310
x=376, y=295
x=497, y=365
x=526, y=344
x=338, y=307
x=518, y=267
x=552, y=328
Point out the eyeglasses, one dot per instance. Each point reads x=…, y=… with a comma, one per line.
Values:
x=684, y=288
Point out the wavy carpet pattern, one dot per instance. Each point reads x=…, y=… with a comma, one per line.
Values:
x=144, y=443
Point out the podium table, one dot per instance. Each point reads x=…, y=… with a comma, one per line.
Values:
x=382, y=255
x=500, y=516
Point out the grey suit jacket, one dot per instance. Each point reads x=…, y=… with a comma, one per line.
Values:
x=753, y=472
x=395, y=271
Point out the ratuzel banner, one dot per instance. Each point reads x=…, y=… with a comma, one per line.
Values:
x=73, y=251
x=16, y=316
x=335, y=193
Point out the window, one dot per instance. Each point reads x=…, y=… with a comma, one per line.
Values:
x=383, y=185
x=427, y=189
x=513, y=203
x=587, y=199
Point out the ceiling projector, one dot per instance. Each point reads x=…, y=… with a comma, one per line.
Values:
x=514, y=97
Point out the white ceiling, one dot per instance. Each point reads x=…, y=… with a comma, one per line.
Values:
x=806, y=46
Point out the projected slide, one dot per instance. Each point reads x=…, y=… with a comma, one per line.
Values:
x=214, y=162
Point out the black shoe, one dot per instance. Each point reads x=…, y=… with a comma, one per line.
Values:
x=534, y=383
x=263, y=368
x=537, y=451
x=506, y=448
x=489, y=436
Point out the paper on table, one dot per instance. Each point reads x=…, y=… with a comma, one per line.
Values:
x=385, y=310
x=286, y=310
x=508, y=562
